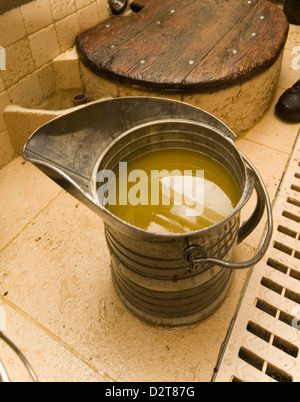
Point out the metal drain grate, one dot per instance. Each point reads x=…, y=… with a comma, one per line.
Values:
x=263, y=344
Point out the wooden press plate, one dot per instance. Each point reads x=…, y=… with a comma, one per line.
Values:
x=186, y=45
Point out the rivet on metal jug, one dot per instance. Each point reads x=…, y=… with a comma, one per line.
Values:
x=164, y=279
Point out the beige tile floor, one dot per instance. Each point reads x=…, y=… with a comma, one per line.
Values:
x=55, y=286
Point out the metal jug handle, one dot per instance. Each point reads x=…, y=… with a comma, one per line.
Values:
x=263, y=201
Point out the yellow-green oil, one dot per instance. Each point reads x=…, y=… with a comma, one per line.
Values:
x=219, y=194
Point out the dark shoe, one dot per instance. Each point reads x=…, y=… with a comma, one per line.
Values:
x=288, y=106
x=292, y=11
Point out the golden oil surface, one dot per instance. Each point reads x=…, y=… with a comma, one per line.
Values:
x=206, y=198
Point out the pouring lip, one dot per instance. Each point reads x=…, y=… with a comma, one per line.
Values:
x=245, y=196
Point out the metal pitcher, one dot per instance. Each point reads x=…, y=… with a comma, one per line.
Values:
x=172, y=280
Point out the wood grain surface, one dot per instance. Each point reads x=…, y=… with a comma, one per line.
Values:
x=184, y=45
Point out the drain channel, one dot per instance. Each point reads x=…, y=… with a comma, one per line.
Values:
x=264, y=341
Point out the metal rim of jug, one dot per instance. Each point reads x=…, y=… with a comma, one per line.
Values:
x=243, y=200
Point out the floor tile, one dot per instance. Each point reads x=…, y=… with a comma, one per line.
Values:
x=24, y=192
x=289, y=73
x=274, y=132
x=294, y=37
x=51, y=361
x=270, y=163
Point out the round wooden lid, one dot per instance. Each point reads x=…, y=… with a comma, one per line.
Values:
x=186, y=45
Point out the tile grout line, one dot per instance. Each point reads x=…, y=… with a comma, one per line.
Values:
x=30, y=222
x=69, y=348
x=266, y=146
